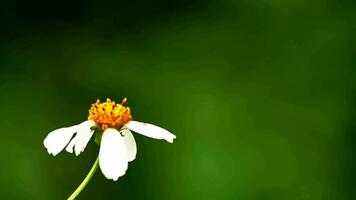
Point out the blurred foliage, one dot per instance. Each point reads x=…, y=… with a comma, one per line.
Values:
x=261, y=96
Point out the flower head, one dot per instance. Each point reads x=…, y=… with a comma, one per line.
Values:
x=112, y=122
x=109, y=114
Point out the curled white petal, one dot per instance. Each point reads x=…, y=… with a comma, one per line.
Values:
x=81, y=139
x=151, y=130
x=113, y=159
x=58, y=139
x=130, y=143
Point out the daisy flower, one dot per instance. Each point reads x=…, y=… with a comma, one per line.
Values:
x=112, y=124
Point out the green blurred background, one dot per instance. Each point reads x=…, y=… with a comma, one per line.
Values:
x=261, y=96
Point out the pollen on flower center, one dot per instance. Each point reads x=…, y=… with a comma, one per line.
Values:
x=109, y=114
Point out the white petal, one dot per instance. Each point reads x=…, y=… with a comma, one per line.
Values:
x=83, y=136
x=151, y=130
x=58, y=139
x=130, y=143
x=81, y=139
x=70, y=146
x=113, y=158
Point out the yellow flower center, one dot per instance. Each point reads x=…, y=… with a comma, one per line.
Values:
x=109, y=114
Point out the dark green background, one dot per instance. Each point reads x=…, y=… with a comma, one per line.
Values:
x=261, y=95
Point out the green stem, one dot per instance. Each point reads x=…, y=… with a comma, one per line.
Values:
x=85, y=181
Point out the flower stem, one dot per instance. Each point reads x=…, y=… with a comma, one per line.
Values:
x=86, y=180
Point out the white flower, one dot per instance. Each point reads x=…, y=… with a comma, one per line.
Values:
x=117, y=146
